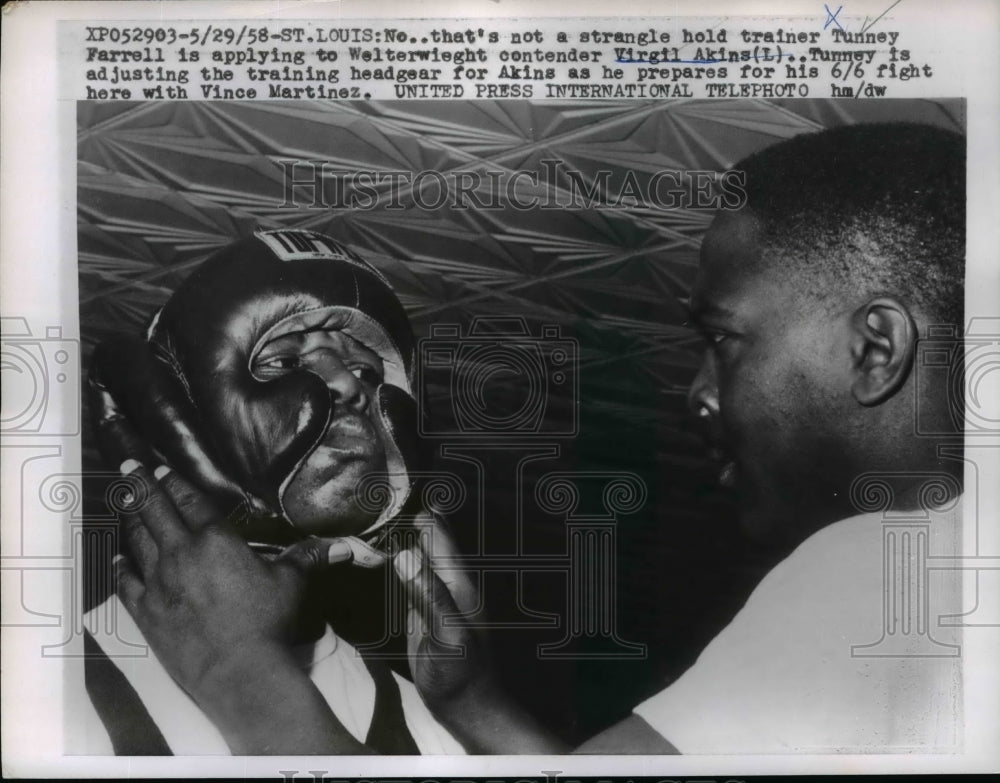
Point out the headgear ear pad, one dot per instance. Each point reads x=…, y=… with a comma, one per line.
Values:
x=255, y=432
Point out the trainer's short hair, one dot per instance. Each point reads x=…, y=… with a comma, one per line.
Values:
x=870, y=208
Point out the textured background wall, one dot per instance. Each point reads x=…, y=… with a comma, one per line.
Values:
x=162, y=185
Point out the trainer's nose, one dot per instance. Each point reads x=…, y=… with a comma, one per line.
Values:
x=703, y=396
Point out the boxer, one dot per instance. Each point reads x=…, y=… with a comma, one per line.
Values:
x=275, y=387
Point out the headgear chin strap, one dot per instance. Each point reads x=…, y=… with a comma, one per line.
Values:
x=190, y=389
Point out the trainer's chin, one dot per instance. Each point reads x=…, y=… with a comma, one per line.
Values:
x=329, y=506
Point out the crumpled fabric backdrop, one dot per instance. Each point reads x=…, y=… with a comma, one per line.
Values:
x=161, y=185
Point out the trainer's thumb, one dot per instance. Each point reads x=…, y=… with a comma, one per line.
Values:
x=314, y=554
x=425, y=592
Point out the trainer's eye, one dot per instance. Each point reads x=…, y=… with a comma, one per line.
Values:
x=714, y=335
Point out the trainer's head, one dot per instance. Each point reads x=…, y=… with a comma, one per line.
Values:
x=811, y=299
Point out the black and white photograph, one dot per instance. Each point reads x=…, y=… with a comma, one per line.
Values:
x=594, y=424
x=527, y=319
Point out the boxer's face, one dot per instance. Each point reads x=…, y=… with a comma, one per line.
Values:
x=321, y=497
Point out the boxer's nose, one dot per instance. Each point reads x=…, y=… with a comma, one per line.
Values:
x=346, y=388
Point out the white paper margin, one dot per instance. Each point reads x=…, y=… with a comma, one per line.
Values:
x=38, y=280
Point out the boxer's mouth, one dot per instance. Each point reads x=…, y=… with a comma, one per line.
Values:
x=350, y=434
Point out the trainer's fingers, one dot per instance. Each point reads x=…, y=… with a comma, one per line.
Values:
x=155, y=510
x=139, y=544
x=314, y=554
x=439, y=547
x=425, y=592
x=197, y=509
x=435, y=537
x=415, y=633
x=118, y=439
x=128, y=585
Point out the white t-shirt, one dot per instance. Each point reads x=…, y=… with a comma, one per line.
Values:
x=844, y=647
x=334, y=667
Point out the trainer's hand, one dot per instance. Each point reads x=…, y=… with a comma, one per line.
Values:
x=199, y=594
x=221, y=621
x=449, y=660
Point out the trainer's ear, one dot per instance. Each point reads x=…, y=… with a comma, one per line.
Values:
x=883, y=342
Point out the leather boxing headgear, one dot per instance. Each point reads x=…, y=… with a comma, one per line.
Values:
x=190, y=390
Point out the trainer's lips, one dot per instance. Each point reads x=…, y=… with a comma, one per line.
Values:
x=726, y=467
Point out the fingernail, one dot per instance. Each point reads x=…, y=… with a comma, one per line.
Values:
x=116, y=560
x=338, y=552
x=129, y=466
x=423, y=518
x=407, y=564
x=161, y=471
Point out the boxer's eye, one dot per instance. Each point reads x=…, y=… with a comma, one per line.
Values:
x=367, y=374
x=278, y=364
